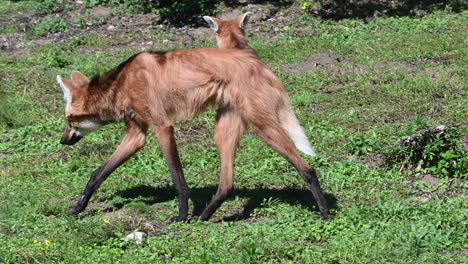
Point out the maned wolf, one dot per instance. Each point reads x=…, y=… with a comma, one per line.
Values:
x=230, y=34
x=152, y=89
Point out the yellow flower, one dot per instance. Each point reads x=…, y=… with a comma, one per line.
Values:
x=305, y=6
x=47, y=242
x=35, y=241
x=99, y=211
x=42, y=249
x=106, y=221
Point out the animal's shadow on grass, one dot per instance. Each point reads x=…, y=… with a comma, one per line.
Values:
x=203, y=195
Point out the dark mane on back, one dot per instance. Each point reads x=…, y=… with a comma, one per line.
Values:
x=104, y=81
x=159, y=52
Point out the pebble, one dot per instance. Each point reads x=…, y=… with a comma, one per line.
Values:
x=137, y=237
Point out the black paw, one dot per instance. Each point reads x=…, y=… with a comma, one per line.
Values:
x=325, y=215
x=178, y=218
x=75, y=210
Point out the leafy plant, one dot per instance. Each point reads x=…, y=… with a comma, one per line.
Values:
x=49, y=25
x=48, y=6
x=436, y=150
x=360, y=144
x=415, y=125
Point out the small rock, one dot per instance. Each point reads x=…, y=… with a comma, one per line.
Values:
x=110, y=27
x=423, y=199
x=165, y=41
x=286, y=28
x=79, y=2
x=138, y=237
x=150, y=43
x=430, y=180
x=101, y=11
x=149, y=226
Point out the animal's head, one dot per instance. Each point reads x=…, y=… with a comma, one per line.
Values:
x=230, y=34
x=81, y=121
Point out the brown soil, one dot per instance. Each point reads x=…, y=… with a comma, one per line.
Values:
x=266, y=23
x=455, y=187
x=333, y=63
x=429, y=179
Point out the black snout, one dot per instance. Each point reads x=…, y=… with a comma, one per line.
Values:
x=70, y=141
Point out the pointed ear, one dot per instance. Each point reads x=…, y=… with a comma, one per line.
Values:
x=213, y=22
x=244, y=19
x=66, y=91
x=79, y=79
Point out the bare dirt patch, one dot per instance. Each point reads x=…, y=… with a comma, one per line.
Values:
x=374, y=160
x=328, y=62
x=99, y=206
x=455, y=186
x=333, y=63
x=429, y=179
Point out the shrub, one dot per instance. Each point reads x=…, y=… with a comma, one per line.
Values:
x=435, y=150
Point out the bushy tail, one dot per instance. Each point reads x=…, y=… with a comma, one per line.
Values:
x=294, y=130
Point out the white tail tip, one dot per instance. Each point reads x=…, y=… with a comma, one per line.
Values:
x=302, y=144
x=296, y=133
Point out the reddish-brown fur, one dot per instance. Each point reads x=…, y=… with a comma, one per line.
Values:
x=230, y=34
x=155, y=89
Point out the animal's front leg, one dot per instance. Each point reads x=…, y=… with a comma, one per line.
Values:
x=168, y=146
x=134, y=140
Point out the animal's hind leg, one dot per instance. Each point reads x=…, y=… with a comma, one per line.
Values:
x=229, y=129
x=270, y=131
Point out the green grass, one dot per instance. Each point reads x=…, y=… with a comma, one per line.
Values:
x=350, y=117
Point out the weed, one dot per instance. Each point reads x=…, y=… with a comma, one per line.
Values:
x=48, y=25
x=48, y=6
x=359, y=144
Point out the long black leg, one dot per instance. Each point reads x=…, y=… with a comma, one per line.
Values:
x=169, y=148
x=134, y=140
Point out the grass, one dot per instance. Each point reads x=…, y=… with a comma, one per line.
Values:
x=351, y=117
